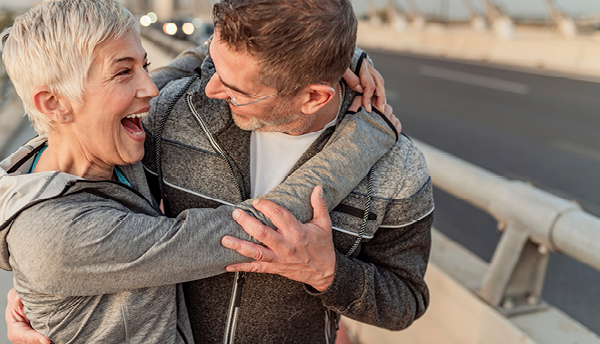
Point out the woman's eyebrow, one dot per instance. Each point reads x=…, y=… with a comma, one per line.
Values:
x=128, y=58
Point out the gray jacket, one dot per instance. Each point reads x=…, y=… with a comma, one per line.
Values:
x=383, y=224
x=95, y=262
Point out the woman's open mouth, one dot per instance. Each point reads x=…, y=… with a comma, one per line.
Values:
x=133, y=123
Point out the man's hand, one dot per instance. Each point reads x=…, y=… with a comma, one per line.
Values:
x=301, y=252
x=370, y=83
x=19, y=329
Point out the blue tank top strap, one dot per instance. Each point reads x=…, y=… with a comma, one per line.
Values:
x=118, y=172
x=121, y=176
x=37, y=158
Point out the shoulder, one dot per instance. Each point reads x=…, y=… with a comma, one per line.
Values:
x=402, y=171
x=401, y=177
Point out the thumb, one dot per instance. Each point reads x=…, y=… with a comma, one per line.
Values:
x=320, y=212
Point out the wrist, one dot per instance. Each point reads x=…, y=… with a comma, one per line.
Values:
x=327, y=275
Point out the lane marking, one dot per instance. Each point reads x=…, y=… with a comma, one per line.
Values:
x=474, y=79
x=579, y=149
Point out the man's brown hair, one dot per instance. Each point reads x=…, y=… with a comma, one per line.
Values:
x=297, y=42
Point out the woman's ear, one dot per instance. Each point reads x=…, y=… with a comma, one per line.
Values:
x=51, y=105
x=316, y=97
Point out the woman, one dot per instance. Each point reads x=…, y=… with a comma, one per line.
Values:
x=93, y=259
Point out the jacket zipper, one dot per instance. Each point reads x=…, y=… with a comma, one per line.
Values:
x=214, y=143
x=240, y=277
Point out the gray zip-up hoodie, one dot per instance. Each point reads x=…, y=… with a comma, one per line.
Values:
x=381, y=229
x=95, y=262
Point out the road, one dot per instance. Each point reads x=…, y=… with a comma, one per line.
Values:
x=537, y=128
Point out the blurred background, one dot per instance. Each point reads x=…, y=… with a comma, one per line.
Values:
x=511, y=86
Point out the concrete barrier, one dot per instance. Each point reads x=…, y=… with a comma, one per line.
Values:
x=456, y=315
x=539, y=48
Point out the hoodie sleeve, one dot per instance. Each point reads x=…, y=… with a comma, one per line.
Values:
x=83, y=244
x=183, y=65
x=357, y=144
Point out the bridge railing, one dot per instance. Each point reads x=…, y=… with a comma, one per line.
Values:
x=534, y=223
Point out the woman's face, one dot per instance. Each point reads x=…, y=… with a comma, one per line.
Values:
x=107, y=125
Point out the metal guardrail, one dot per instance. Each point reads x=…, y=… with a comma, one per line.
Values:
x=534, y=223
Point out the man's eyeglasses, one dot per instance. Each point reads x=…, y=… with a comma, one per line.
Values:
x=232, y=98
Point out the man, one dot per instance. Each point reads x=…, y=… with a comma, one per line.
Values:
x=278, y=66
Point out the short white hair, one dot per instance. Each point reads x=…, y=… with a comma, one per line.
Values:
x=53, y=45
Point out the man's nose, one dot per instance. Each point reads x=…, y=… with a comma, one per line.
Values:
x=215, y=89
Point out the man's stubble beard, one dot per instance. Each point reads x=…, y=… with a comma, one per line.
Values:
x=279, y=120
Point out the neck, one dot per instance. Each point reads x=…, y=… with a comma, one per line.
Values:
x=328, y=112
x=71, y=158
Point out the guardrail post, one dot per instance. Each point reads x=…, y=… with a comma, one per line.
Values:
x=515, y=276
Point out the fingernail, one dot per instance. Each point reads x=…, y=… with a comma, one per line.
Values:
x=369, y=109
x=359, y=88
x=42, y=341
x=227, y=242
x=230, y=269
x=321, y=192
x=255, y=201
x=236, y=214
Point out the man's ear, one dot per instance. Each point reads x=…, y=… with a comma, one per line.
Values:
x=56, y=108
x=316, y=96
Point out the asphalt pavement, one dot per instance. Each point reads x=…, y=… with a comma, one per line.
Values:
x=533, y=126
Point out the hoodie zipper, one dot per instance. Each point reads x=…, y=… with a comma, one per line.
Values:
x=240, y=277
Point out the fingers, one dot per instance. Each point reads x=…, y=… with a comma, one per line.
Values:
x=388, y=111
x=320, y=212
x=19, y=330
x=380, y=87
x=255, y=228
x=13, y=298
x=247, y=249
x=19, y=333
x=353, y=81
x=368, y=84
x=281, y=217
x=356, y=104
x=249, y=267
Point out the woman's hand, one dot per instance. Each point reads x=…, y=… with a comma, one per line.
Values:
x=370, y=83
x=19, y=329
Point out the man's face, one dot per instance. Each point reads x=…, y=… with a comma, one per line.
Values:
x=236, y=75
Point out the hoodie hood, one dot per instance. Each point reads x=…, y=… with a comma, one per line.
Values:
x=19, y=188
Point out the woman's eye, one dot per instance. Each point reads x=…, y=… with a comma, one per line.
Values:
x=146, y=65
x=124, y=72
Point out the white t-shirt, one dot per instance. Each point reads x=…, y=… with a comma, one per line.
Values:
x=272, y=156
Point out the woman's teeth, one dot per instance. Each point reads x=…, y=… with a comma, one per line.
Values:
x=138, y=115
